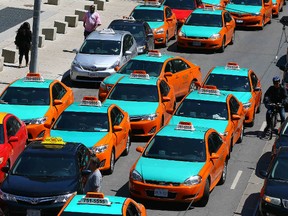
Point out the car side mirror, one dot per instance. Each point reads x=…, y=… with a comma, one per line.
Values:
x=5, y=169
x=86, y=172
x=117, y=128
x=169, y=19
x=150, y=34
x=13, y=139
x=236, y=117
x=257, y=89
x=140, y=149
x=263, y=173
x=57, y=102
x=75, y=51
x=103, y=95
x=214, y=156
x=47, y=125
x=166, y=99
x=168, y=74
x=170, y=111
x=128, y=52
x=116, y=68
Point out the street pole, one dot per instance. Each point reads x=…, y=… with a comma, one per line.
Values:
x=35, y=37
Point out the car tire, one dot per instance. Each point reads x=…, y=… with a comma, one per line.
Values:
x=224, y=173
x=258, y=109
x=166, y=40
x=251, y=124
x=175, y=34
x=232, y=39
x=240, y=139
x=192, y=86
x=222, y=48
x=7, y=165
x=270, y=21
x=128, y=144
x=112, y=162
x=263, y=23
x=205, y=198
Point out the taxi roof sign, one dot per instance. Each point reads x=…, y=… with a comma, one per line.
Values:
x=156, y=53
x=139, y=74
x=209, y=7
x=53, y=141
x=93, y=198
x=209, y=89
x=107, y=31
x=33, y=77
x=150, y=2
x=187, y=126
x=90, y=101
x=129, y=18
x=232, y=66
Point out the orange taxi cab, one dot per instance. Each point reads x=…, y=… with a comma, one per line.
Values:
x=277, y=7
x=36, y=100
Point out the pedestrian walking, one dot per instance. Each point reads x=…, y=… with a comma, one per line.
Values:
x=91, y=21
x=93, y=183
x=23, y=42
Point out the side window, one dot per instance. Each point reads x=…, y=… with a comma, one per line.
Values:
x=164, y=88
x=179, y=65
x=266, y=1
x=11, y=130
x=16, y=124
x=83, y=158
x=128, y=42
x=211, y=145
x=227, y=17
x=254, y=80
x=58, y=91
x=234, y=105
x=148, y=30
x=132, y=210
x=217, y=141
x=168, y=12
x=116, y=116
x=169, y=67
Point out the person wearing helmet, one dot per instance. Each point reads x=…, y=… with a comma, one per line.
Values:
x=275, y=94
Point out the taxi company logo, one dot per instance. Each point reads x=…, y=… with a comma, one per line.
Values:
x=33, y=201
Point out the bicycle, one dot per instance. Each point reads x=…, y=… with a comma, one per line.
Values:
x=273, y=117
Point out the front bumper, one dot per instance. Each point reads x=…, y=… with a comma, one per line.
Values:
x=144, y=127
x=199, y=43
x=247, y=21
x=36, y=132
x=272, y=210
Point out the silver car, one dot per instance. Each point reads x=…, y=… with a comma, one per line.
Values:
x=100, y=53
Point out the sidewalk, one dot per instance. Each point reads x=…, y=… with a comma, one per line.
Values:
x=55, y=58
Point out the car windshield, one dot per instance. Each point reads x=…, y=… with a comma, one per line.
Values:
x=196, y=19
x=101, y=47
x=136, y=30
x=284, y=130
x=151, y=68
x=148, y=15
x=229, y=83
x=130, y=92
x=247, y=2
x=176, y=148
x=203, y=109
x=25, y=96
x=82, y=121
x=278, y=170
x=183, y=4
x=94, y=214
x=44, y=165
x=1, y=134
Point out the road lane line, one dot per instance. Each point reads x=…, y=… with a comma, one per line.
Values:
x=263, y=126
x=237, y=177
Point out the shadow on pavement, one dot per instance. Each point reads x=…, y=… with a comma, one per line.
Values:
x=123, y=191
x=251, y=205
x=263, y=163
x=72, y=84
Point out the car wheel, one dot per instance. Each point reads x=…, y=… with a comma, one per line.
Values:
x=192, y=86
x=263, y=23
x=175, y=34
x=112, y=162
x=259, y=108
x=230, y=148
x=166, y=40
x=270, y=20
x=224, y=174
x=240, y=139
x=222, y=48
x=128, y=144
x=7, y=165
x=205, y=198
x=251, y=124
x=232, y=39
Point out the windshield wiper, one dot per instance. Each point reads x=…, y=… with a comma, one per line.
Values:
x=3, y=102
x=279, y=179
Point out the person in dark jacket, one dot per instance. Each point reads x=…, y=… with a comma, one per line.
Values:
x=275, y=94
x=23, y=42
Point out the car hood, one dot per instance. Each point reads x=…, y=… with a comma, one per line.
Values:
x=96, y=60
x=202, y=124
x=243, y=97
x=276, y=189
x=282, y=141
x=243, y=9
x=212, y=2
x=38, y=187
x=182, y=14
x=114, y=78
x=31, y=111
x=155, y=25
x=135, y=108
x=89, y=139
x=200, y=31
x=161, y=170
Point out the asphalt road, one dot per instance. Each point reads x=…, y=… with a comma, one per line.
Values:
x=255, y=49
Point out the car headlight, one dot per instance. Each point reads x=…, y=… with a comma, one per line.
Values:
x=7, y=197
x=64, y=198
x=141, y=49
x=135, y=175
x=159, y=31
x=272, y=200
x=35, y=121
x=193, y=180
x=100, y=149
x=117, y=63
x=181, y=34
x=215, y=36
x=150, y=117
x=103, y=86
x=256, y=14
x=246, y=105
x=75, y=63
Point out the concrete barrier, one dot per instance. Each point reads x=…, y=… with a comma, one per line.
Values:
x=100, y=4
x=72, y=20
x=53, y=2
x=41, y=40
x=61, y=27
x=80, y=14
x=50, y=33
x=10, y=55
x=1, y=63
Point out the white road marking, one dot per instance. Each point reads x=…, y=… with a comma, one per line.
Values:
x=263, y=126
x=237, y=177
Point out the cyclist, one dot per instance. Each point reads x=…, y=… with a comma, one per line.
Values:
x=275, y=94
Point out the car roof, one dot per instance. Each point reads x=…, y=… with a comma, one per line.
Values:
x=132, y=22
x=134, y=81
x=78, y=107
x=31, y=84
x=233, y=72
x=106, y=34
x=207, y=10
x=114, y=209
x=196, y=95
x=150, y=7
x=152, y=58
x=171, y=131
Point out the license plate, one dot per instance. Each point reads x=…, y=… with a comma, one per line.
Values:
x=33, y=212
x=239, y=21
x=196, y=43
x=93, y=75
x=161, y=193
